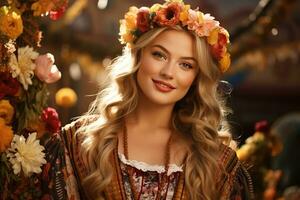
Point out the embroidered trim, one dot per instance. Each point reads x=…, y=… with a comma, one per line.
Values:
x=147, y=167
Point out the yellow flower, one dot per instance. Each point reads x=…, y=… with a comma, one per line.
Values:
x=11, y=23
x=130, y=18
x=200, y=17
x=184, y=15
x=127, y=25
x=225, y=62
x=6, y=111
x=128, y=38
x=65, y=97
x=213, y=36
x=6, y=135
x=155, y=7
x=42, y=7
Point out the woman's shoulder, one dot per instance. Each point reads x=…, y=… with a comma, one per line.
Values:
x=228, y=160
x=235, y=180
x=69, y=131
x=227, y=156
x=74, y=125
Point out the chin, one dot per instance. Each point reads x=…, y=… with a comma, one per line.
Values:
x=160, y=99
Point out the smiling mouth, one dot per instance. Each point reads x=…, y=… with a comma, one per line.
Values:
x=163, y=86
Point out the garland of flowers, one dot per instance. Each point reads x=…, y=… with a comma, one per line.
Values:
x=24, y=75
x=138, y=21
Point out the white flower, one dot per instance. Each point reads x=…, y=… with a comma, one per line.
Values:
x=23, y=66
x=27, y=155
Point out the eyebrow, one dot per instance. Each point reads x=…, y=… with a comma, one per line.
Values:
x=164, y=49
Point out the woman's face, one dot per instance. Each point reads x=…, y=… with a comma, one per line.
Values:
x=168, y=67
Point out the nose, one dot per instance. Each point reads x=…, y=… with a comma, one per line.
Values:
x=167, y=71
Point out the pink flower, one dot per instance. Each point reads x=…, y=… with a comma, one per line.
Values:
x=201, y=23
x=168, y=16
x=50, y=117
x=45, y=70
x=143, y=19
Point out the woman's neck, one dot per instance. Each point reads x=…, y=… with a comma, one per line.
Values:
x=150, y=115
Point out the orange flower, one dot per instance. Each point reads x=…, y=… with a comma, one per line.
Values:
x=128, y=25
x=184, y=15
x=6, y=135
x=169, y=15
x=11, y=23
x=219, y=48
x=6, y=111
x=130, y=18
x=213, y=36
x=225, y=62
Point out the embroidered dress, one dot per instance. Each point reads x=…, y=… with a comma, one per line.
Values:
x=63, y=174
x=147, y=177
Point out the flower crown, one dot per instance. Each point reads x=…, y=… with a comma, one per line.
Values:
x=137, y=21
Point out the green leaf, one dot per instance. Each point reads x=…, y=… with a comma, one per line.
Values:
x=32, y=104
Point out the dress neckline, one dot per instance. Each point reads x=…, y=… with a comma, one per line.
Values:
x=143, y=166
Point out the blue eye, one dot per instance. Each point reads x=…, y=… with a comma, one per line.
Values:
x=158, y=55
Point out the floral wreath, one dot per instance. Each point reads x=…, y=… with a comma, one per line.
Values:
x=137, y=21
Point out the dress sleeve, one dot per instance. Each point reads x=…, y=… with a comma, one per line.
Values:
x=234, y=181
x=57, y=178
x=242, y=184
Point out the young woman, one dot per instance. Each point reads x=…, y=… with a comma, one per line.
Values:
x=157, y=130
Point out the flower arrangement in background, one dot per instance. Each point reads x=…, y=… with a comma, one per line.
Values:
x=24, y=75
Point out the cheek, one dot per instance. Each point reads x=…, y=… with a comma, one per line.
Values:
x=148, y=66
x=186, y=80
x=145, y=72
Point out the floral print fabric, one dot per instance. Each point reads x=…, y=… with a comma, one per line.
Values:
x=147, y=178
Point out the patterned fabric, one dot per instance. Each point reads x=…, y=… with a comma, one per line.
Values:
x=147, y=178
x=64, y=171
x=58, y=179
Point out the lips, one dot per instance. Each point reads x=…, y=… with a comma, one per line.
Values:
x=163, y=86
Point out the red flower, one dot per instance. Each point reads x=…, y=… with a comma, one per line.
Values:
x=143, y=19
x=218, y=49
x=262, y=126
x=9, y=86
x=168, y=16
x=50, y=117
x=56, y=14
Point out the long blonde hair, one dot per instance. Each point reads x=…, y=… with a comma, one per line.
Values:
x=197, y=117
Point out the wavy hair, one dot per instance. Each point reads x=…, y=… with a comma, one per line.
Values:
x=198, y=116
